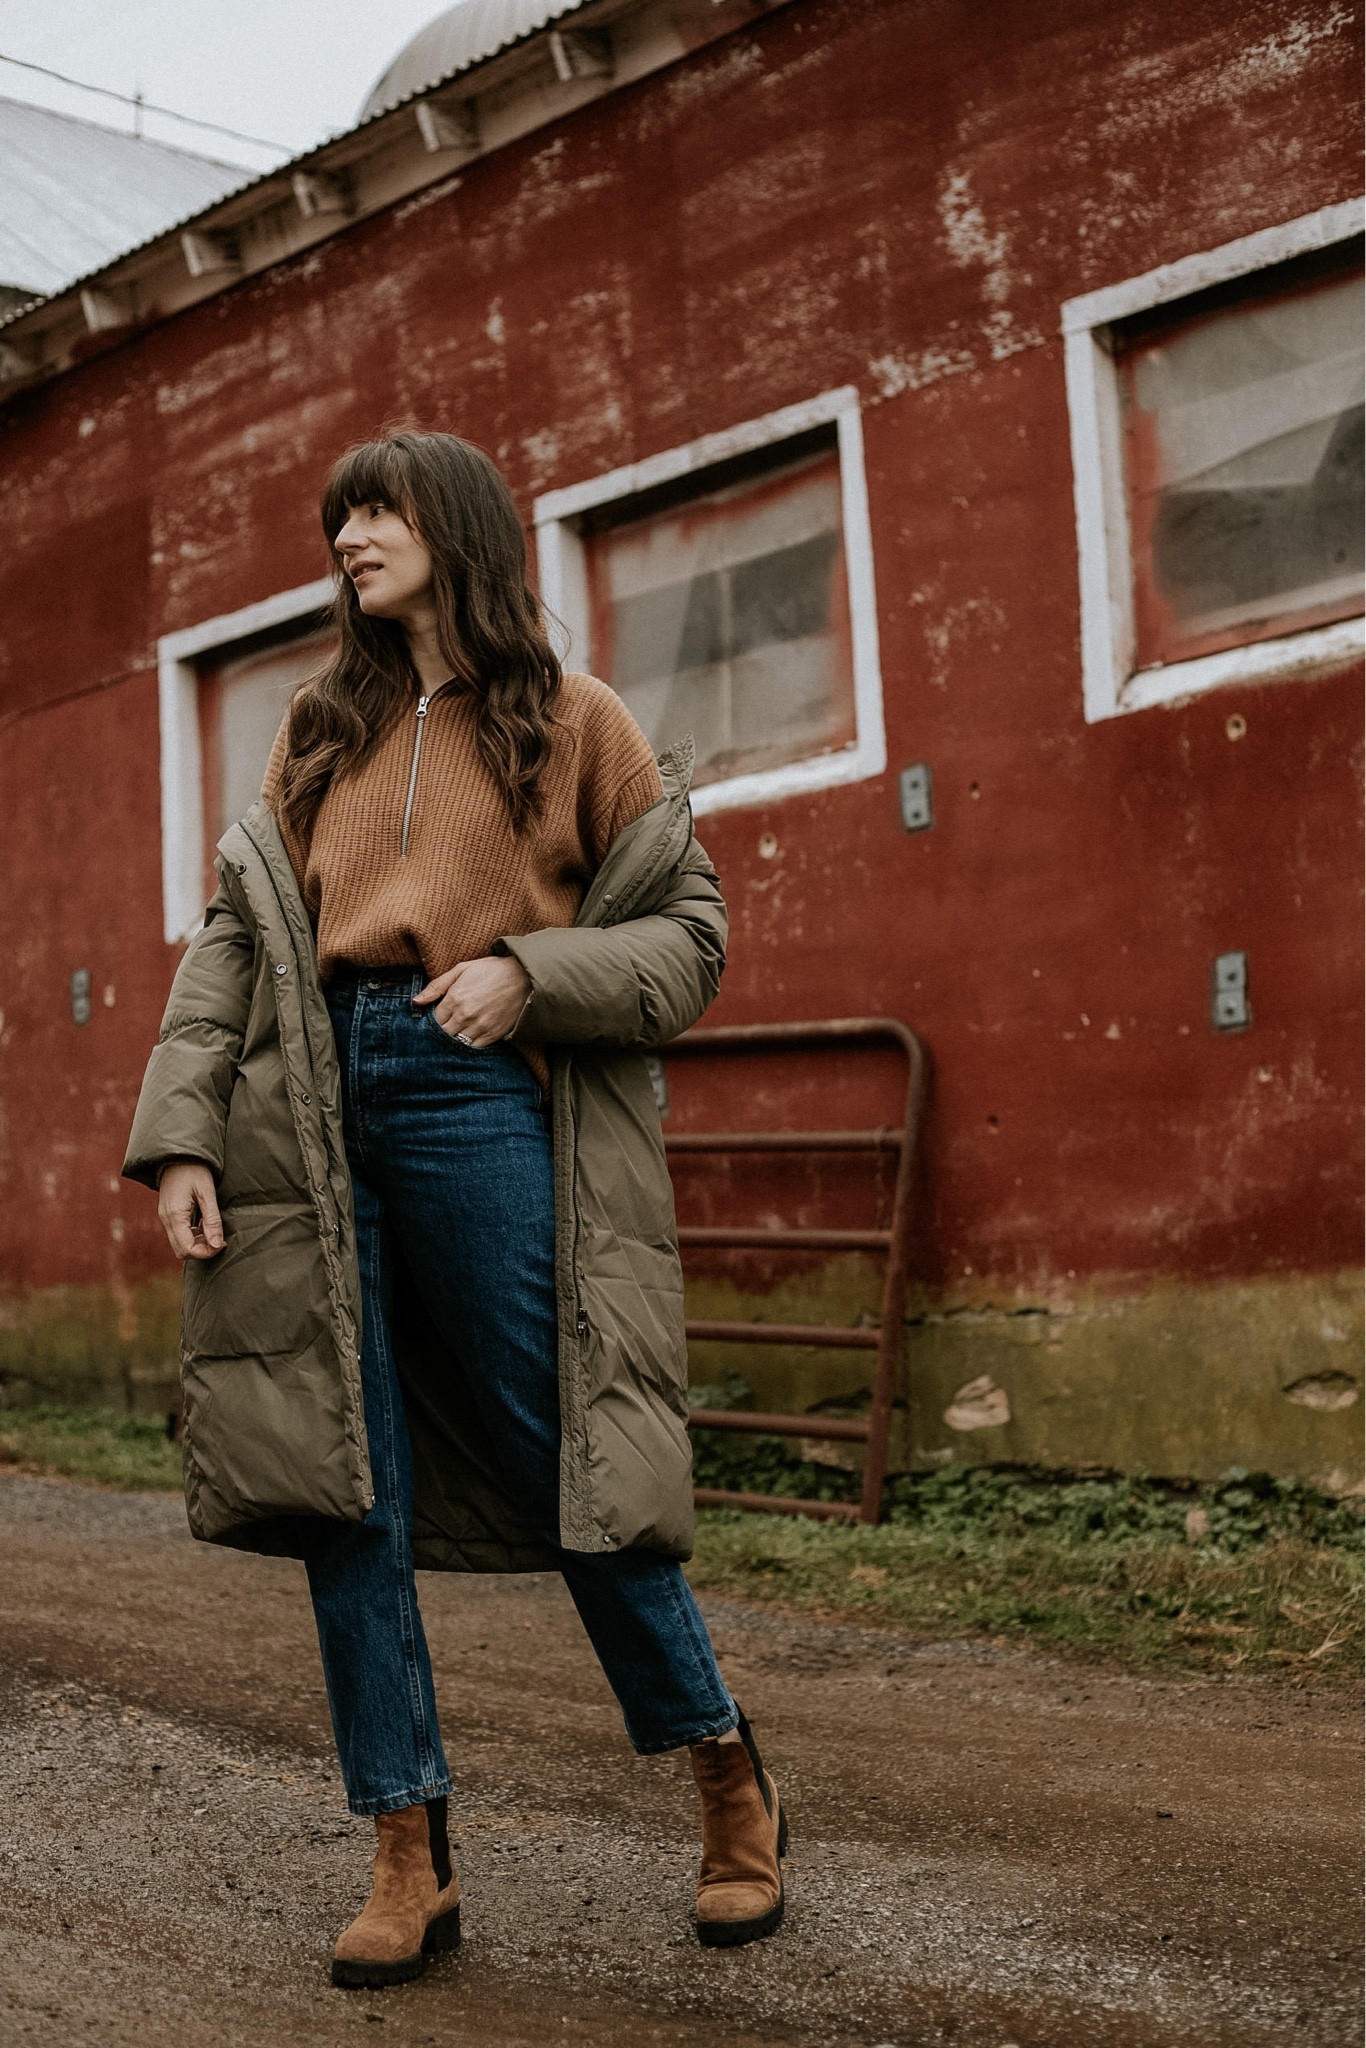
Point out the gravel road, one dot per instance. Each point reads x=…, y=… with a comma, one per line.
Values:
x=989, y=1847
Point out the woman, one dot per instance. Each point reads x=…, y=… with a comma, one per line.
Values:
x=406, y=1146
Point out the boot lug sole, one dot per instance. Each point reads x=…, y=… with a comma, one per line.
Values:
x=735, y=1933
x=355, y=1973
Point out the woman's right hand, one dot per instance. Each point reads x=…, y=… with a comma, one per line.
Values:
x=187, y=1203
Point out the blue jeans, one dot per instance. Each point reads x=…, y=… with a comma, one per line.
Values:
x=450, y=1157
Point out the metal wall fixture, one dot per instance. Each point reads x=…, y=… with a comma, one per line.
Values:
x=917, y=797
x=80, y=996
x=895, y=1241
x=1229, y=1008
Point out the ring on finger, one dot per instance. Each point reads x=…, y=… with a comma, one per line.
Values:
x=464, y=1038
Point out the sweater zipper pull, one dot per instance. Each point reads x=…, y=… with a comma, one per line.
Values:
x=422, y=704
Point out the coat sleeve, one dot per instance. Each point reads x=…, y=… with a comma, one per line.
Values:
x=182, y=1110
x=637, y=983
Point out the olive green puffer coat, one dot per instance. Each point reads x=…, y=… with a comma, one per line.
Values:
x=245, y=1077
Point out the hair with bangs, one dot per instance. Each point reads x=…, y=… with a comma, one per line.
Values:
x=489, y=624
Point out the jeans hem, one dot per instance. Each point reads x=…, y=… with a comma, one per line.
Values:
x=397, y=1801
x=698, y=1733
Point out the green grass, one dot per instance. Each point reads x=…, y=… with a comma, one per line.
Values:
x=1122, y=1568
x=96, y=1445
x=1251, y=1573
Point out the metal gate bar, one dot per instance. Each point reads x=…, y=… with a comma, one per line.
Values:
x=895, y=1242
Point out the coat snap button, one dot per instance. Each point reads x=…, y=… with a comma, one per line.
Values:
x=282, y=969
x=305, y=1098
x=241, y=867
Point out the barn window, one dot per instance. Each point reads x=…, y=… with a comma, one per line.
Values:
x=726, y=616
x=725, y=591
x=224, y=687
x=1217, y=448
x=1244, y=470
x=243, y=691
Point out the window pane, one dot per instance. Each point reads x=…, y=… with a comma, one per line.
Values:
x=242, y=698
x=728, y=618
x=1245, y=472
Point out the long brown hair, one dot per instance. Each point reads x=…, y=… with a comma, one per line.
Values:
x=490, y=626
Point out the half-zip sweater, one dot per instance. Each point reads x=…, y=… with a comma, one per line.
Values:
x=412, y=859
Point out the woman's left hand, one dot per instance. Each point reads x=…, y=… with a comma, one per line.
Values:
x=479, y=1001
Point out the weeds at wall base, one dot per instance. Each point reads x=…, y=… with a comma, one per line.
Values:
x=1229, y=1514
x=1287, y=1606
x=96, y=1445
x=1251, y=1573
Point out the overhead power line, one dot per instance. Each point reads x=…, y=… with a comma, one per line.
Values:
x=146, y=106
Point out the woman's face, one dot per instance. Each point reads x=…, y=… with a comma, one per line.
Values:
x=385, y=559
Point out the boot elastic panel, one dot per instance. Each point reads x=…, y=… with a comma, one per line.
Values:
x=746, y=1734
x=439, y=1840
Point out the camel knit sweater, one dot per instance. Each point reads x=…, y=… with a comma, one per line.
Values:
x=467, y=878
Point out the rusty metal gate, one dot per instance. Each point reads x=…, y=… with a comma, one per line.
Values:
x=893, y=1241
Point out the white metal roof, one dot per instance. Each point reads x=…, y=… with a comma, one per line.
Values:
x=76, y=195
x=465, y=34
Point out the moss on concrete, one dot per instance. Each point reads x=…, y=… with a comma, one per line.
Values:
x=96, y=1347
x=1182, y=1378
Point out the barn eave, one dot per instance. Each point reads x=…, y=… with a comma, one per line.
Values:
x=432, y=134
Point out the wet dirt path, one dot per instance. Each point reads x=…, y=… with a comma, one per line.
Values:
x=989, y=1847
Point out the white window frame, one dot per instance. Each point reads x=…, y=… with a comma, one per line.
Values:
x=564, y=580
x=182, y=754
x=1111, y=682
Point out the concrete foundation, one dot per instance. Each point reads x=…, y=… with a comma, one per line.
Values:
x=93, y=1346
x=1179, y=1380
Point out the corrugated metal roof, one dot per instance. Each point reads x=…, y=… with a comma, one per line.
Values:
x=465, y=34
x=76, y=195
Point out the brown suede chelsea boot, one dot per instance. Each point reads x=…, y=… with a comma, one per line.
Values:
x=413, y=1912
x=744, y=1834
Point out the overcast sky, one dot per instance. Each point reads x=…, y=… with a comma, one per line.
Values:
x=292, y=71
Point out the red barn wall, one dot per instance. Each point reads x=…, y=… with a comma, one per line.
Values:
x=1139, y=1227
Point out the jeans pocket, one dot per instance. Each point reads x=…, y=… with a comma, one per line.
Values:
x=428, y=1016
